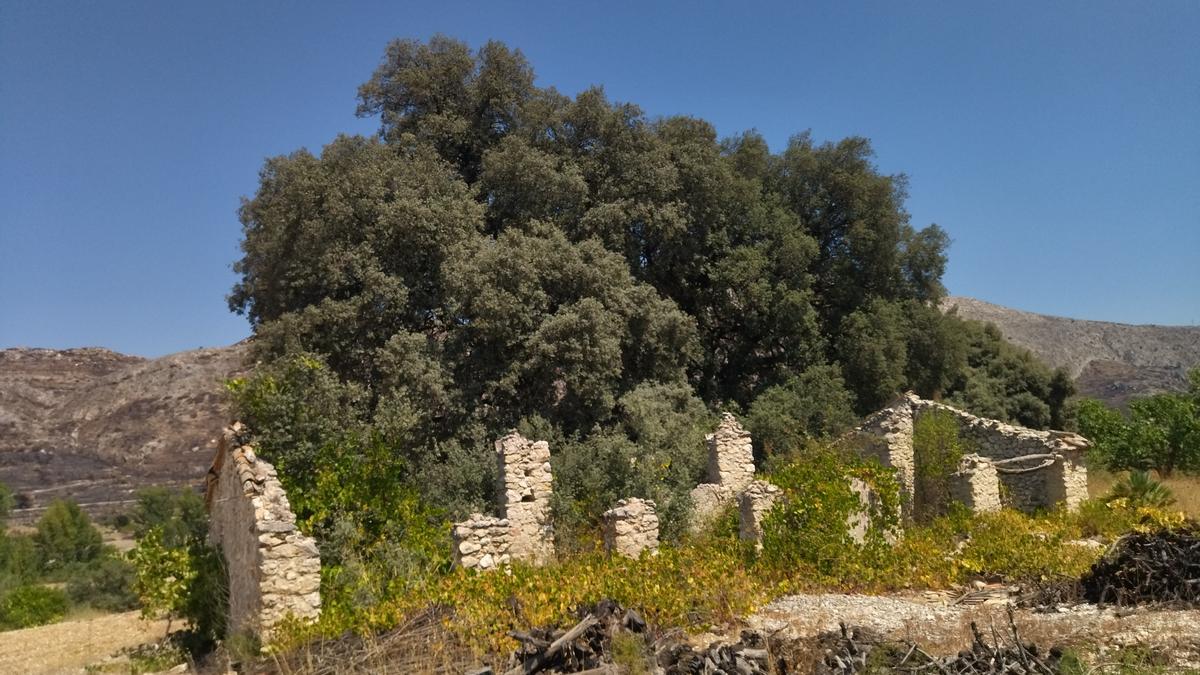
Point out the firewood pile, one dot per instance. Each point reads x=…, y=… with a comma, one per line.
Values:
x=586, y=648
x=853, y=651
x=1148, y=568
x=749, y=656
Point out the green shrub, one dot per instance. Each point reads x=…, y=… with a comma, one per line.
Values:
x=19, y=557
x=179, y=513
x=106, y=583
x=937, y=451
x=806, y=534
x=66, y=535
x=32, y=605
x=1139, y=489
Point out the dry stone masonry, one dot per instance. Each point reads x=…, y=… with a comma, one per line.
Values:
x=631, y=527
x=482, y=542
x=753, y=505
x=1037, y=469
x=274, y=569
x=526, y=486
x=730, y=471
x=523, y=530
x=976, y=484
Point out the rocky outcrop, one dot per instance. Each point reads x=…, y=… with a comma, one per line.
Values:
x=274, y=569
x=1113, y=362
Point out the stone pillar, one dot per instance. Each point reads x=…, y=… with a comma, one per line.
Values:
x=525, y=487
x=730, y=455
x=887, y=435
x=631, y=527
x=1066, y=480
x=274, y=569
x=753, y=505
x=976, y=484
x=481, y=542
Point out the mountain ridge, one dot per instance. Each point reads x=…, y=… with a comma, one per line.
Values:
x=1113, y=362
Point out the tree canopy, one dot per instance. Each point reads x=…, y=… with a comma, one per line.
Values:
x=502, y=254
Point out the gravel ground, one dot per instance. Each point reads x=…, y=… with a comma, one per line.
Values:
x=946, y=629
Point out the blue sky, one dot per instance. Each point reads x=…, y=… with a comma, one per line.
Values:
x=1058, y=143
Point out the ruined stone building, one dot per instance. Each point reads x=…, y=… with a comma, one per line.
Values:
x=274, y=569
x=523, y=530
x=1032, y=469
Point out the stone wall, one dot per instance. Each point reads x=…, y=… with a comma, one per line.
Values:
x=887, y=435
x=730, y=470
x=482, y=542
x=631, y=527
x=526, y=486
x=730, y=455
x=274, y=569
x=523, y=531
x=1056, y=473
x=976, y=484
x=753, y=505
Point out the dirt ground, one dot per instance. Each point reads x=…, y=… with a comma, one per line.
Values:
x=69, y=646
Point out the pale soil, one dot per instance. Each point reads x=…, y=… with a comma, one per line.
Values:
x=946, y=629
x=69, y=646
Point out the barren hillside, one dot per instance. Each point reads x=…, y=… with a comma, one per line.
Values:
x=94, y=425
x=1110, y=361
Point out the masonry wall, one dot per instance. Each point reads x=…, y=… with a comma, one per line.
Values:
x=274, y=569
x=755, y=502
x=730, y=470
x=482, y=542
x=526, y=486
x=1061, y=478
x=631, y=527
x=976, y=484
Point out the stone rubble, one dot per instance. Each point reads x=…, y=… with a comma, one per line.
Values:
x=274, y=569
x=631, y=527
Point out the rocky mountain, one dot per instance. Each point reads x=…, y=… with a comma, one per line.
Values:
x=1113, y=362
x=94, y=425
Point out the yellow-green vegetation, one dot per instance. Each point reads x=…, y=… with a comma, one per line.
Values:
x=710, y=580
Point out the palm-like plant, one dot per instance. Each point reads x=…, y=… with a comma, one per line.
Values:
x=1139, y=489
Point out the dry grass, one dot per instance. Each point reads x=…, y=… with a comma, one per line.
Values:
x=421, y=644
x=1185, y=488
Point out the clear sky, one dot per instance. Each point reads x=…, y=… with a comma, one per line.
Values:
x=1058, y=143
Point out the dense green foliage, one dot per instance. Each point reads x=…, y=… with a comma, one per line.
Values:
x=173, y=571
x=1161, y=432
x=31, y=605
x=808, y=531
x=937, y=451
x=65, y=535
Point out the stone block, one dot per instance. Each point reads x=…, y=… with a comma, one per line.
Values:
x=631, y=527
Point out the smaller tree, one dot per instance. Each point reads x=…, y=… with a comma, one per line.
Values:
x=1162, y=432
x=66, y=535
x=163, y=576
